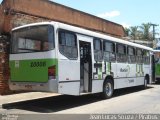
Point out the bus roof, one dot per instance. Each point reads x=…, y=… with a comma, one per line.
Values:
x=87, y=32
x=156, y=50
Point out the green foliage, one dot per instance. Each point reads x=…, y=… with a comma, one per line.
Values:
x=145, y=28
x=142, y=32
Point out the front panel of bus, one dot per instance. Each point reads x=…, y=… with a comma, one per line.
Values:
x=33, y=63
x=157, y=65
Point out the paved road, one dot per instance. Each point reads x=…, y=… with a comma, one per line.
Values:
x=131, y=100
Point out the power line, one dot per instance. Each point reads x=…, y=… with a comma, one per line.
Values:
x=154, y=25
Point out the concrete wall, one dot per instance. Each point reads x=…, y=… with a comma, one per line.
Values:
x=46, y=10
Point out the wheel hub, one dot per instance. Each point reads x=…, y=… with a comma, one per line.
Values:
x=108, y=89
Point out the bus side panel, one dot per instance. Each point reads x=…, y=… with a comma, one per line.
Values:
x=122, y=70
x=123, y=82
x=126, y=75
x=108, y=69
x=114, y=69
x=140, y=81
x=139, y=74
x=146, y=69
x=69, y=88
x=97, y=86
x=69, y=77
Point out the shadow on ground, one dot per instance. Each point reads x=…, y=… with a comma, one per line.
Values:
x=63, y=102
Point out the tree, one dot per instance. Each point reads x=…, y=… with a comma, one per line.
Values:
x=127, y=31
x=145, y=29
x=134, y=33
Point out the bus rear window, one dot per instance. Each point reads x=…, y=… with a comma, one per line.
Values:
x=32, y=39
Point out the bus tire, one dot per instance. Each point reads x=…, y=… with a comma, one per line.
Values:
x=108, y=89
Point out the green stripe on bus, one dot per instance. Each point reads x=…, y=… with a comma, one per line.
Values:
x=31, y=70
x=108, y=67
x=99, y=76
x=100, y=72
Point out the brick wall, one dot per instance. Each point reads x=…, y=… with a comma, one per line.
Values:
x=4, y=73
x=4, y=67
x=1, y=18
x=21, y=19
x=53, y=11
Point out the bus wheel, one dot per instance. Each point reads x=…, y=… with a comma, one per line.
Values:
x=107, y=89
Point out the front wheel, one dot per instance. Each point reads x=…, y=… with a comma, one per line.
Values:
x=107, y=89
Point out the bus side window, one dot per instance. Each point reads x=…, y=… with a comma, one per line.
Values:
x=121, y=53
x=146, y=58
x=139, y=57
x=109, y=51
x=131, y=55
x=68, y=44
x=97, y=49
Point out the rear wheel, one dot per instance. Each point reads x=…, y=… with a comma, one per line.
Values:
x=107, y=89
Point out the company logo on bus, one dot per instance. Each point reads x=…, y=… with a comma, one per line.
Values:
x=124, y=70
x=127, y=69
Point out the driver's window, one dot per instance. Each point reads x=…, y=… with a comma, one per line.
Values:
x=157, y=56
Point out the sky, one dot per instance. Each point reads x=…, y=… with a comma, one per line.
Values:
x=125, y=12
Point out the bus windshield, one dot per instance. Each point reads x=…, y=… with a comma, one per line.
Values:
x=33, y=39
x=157, y=56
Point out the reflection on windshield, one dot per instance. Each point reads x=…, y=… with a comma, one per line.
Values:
x=33, y=39
x=157, y=60
x=157, y=57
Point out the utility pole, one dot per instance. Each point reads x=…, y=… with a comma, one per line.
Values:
x=154, y=25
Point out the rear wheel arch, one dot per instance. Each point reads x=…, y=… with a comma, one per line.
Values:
x=109, y=78
x=146, y=81
x=108, y=87
x=147, y=77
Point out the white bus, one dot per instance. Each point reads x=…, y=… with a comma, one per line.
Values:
x=60, y=58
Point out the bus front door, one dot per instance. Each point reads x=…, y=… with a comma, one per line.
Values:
x=85, y=67
x=153, y=68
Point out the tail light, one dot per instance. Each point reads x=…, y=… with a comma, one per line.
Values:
x=52, y=72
